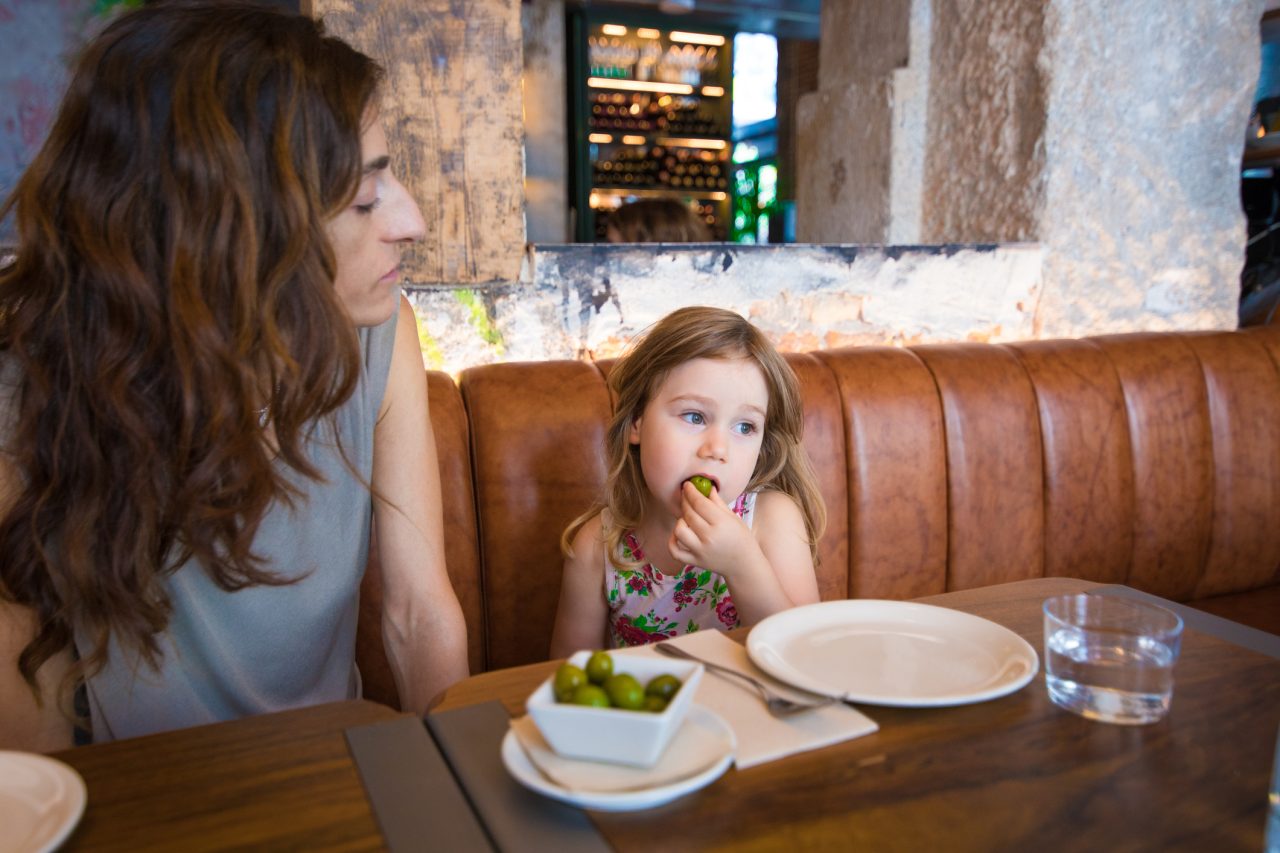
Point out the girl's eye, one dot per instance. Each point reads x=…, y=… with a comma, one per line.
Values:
x=370, y=207
x=745, y=428
x=694, y=418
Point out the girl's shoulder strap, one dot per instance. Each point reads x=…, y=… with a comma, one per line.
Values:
x=745, y=506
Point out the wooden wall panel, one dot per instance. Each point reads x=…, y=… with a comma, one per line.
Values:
x=452, y=111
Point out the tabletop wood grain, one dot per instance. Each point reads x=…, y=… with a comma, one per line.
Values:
x=277, y=781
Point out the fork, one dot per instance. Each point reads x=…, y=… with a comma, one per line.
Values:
x=778, y=705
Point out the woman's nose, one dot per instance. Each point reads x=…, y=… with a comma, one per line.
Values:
x=405, y=223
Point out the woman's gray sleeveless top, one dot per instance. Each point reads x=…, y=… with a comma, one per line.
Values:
x=265, y=648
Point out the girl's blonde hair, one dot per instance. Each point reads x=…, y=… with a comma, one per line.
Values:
x=680, y=337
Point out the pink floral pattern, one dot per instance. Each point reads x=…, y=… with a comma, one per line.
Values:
x=646, y=606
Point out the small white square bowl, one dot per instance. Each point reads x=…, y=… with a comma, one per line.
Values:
x=614, y=735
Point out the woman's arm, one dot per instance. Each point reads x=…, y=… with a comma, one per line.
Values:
x=582, y=614
x=423, y=630
x=24, y=723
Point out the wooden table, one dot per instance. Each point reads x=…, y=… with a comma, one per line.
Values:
x=1012, y=773
x=278, y=781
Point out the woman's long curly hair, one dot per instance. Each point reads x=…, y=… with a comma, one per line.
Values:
x=682, y=336
x=173, y=277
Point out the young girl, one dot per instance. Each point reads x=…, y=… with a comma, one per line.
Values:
x=702, y=394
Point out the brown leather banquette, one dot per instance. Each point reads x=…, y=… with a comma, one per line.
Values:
x=1149, y=459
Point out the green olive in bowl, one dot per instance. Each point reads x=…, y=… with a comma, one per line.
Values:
x=625, y=692
x=590, y=695
x=568, y=679
x=599, y=667
x=664, y=687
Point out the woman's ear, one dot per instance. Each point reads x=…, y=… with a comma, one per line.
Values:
x=633, y=432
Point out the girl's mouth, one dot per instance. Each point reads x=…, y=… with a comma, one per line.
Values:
x=694, y=479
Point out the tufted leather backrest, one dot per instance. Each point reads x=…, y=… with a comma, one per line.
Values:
x=1243, y=391
x=894, y=446
x=1148, y=459
x=1088, y=460
x=537, y=430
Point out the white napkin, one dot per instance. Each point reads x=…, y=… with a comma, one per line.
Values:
x=694, y=748
x=761, y=736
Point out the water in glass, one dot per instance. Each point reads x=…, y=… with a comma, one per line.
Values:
x=1112, y=676
x=1110, y=659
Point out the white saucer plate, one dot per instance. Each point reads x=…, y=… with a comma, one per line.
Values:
x=523, y=771
x=897, y=653
x=41, y=801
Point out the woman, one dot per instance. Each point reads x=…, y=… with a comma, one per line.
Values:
x=206, y=370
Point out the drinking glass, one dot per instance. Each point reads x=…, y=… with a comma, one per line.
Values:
x=1110, y=659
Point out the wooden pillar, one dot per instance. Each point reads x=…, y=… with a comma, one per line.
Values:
x=452, y=112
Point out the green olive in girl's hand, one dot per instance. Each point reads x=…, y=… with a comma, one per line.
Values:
x=599, y=667
x=702, y=484
x=568, y=679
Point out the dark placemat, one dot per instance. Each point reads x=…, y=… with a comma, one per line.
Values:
x=1199, y=620
x=414, y=796
x=516, y=818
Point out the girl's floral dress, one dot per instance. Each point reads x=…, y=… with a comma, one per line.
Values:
x=646, y=606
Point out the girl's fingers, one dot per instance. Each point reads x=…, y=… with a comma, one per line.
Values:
x=701, y=517
x=683, y=534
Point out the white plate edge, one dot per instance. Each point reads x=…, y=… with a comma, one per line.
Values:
x=74, y=801
x=787, y=675
x=521, y=768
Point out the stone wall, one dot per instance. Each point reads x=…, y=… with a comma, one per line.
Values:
x=909, y=133
x=844, y=130
x=1110, y=133
x=985, y=134
x=844, y=153
x=1148, y=106
x=584, y=302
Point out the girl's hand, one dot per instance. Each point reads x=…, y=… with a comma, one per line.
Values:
x=710, y=535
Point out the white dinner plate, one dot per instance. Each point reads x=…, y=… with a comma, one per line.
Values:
x=898, y=653
x=524, y=772
x=41, y=800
